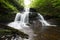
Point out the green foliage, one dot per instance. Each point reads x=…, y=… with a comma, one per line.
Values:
x=37, y=3
x=7, y=5
x=12, y=5
x=8, y=8
x=5, y=32
x=47, y=7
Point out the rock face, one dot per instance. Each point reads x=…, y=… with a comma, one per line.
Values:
x=33, y=14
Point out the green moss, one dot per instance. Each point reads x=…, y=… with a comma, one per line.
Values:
x=5, y=32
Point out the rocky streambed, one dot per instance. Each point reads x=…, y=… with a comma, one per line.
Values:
x=34, y=32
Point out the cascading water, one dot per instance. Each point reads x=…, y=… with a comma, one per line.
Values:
x=25, y=16
x=42, y=20
x=22, y=19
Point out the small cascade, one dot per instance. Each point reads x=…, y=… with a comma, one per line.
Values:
x=43, y=21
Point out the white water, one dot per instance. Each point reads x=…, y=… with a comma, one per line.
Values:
x=22, y=19
x=43, y=21
x=20, y=23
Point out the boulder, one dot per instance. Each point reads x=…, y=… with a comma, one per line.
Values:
x=6, y=30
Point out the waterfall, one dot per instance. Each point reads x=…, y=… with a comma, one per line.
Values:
x=25, y=16
x=22, y=19
x=42, y=20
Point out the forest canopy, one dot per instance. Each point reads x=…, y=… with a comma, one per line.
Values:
x=50, y=7
x=45, y=7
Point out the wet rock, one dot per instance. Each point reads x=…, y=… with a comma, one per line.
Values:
x=8, y=31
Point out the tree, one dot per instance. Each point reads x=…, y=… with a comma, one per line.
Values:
x=51, y=7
